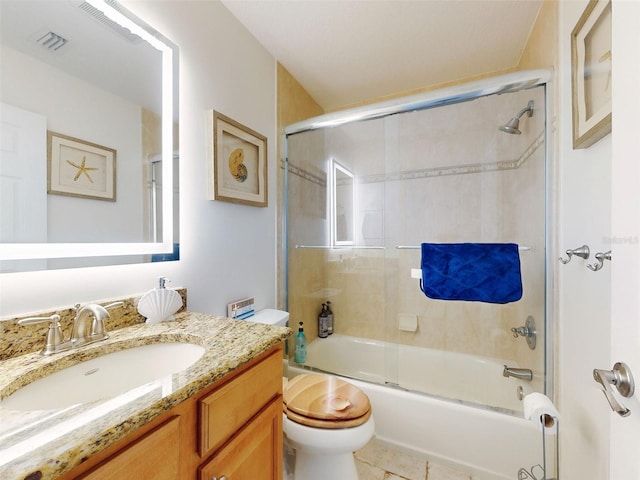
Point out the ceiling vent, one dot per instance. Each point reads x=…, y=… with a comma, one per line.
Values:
x=101, y=17
x=52, y=41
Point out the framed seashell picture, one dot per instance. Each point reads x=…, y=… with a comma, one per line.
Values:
x=239, y=162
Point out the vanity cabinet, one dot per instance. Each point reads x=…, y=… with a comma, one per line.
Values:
x=155, y=455
x=243, y=397
x=254, y=454
x=232, y=428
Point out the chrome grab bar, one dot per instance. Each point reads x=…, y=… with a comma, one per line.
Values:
x=621, y=378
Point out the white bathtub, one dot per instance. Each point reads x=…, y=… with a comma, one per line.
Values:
x=451, y=375
x=486, y=443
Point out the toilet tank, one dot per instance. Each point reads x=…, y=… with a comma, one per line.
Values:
x=271, y=316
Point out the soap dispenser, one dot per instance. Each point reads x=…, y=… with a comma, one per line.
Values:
x=300, y=353
x=159, y=304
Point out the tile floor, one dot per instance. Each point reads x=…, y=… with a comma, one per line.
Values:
x=378, y=462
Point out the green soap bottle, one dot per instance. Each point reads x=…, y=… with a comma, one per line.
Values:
x=300, y=353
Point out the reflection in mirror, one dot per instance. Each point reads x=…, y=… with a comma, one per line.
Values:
x=342, y=205
x=103, y=84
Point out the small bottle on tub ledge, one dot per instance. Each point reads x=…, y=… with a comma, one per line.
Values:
x=330, y=318
x=323, y=322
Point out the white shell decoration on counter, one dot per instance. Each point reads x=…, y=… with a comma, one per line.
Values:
x=159, y=304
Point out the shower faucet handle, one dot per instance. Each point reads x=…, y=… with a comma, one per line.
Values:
x=582, y=252
x=528, y=331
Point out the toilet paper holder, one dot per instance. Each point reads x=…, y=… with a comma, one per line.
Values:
x=621, y=378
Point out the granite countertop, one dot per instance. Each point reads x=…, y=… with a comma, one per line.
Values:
x=54, y=441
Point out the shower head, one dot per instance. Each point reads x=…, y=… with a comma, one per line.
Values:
x=513, y=124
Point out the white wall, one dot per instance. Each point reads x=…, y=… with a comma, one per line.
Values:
x=625, y=311
x=227, y=251
x=584, y=296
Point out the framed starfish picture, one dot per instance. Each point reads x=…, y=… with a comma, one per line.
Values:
x=80, y=169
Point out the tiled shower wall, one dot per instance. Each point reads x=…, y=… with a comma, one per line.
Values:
x=441, y=175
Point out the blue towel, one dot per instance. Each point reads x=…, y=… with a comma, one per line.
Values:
x=480, y=272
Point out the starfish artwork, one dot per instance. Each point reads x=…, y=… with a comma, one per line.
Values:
x=82, y=169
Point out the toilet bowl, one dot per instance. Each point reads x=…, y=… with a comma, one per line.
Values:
x=325, y=419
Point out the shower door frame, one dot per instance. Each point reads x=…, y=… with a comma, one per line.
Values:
x=509, y=83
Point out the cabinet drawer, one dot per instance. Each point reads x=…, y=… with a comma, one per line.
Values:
x=255, y=453
x=227, y=409
x=156, y=455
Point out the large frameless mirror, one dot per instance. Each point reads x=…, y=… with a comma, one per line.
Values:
x=88, y=134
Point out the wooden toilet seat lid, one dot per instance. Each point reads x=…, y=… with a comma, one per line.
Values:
x=318, y=400
x=326, y=424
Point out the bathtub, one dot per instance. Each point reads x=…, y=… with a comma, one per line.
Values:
x=487, y=443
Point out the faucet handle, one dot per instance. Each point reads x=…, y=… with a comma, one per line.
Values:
x=529, y=332
x=113, y=305
x=55, y=339
x=97, y=326
x=33, y=320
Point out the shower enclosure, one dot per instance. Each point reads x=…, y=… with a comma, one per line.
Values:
x=365, y=188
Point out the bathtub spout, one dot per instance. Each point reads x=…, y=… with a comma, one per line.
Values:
x=520, y=373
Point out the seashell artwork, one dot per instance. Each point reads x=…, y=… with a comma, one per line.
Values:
x=159, y=305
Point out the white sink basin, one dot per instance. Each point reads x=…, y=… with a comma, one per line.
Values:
x=105, y=376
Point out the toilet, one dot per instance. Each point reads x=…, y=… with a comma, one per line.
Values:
x=325, y=419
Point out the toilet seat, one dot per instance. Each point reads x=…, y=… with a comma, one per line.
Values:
x=323, y=401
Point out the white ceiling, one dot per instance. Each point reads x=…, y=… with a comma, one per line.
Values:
x=348, y=51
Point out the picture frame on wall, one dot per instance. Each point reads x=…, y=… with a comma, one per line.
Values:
x=239, y=163
x=591, y=74
x=77, y=168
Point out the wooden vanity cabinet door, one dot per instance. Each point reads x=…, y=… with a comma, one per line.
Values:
x=255, y=453
x=225, y=410
x=156, y=455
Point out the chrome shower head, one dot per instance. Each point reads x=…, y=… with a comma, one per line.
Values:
x=513, y=124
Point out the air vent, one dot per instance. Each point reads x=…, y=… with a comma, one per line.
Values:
x=52, y=41
x=101, y=17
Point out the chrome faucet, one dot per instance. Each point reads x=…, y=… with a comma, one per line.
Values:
x=82, y=333
x=520, y=373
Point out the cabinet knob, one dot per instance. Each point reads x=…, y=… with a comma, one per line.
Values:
x=219, y=478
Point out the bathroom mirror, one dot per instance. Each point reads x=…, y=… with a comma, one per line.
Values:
x=342, y=205
x=88, y=118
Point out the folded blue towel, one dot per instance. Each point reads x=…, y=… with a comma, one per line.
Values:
x=481, y=272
